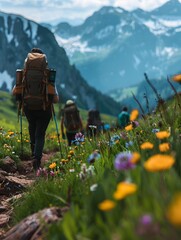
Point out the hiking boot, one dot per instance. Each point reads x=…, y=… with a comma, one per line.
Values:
x=36, y=164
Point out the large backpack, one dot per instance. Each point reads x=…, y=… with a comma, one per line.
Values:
x=72, y=119
x=35, y=82
x=94, y=118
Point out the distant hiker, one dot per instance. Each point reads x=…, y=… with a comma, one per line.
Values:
x=36, y=93
x=94, y=124
x=71, y=120
x=123, y=118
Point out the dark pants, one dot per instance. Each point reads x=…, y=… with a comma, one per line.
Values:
x=38, y=121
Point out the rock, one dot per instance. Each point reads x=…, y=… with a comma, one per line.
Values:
x=8, y=165
x=13, y=185
x=31, y=228
x=4, y=219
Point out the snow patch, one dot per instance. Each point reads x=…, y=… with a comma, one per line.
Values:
x=5, y=77
x=74, y=44
x=104, y=32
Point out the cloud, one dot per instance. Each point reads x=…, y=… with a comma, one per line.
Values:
x=69, y=10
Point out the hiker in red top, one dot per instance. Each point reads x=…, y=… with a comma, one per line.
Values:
x=37, y=97
x=71, y=120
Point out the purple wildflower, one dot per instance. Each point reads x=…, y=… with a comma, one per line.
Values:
x=79, y=137
x=123, y=161
x=146, y=219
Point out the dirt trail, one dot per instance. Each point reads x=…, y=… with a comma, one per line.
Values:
x=12, y=186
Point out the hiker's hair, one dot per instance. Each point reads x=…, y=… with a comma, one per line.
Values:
x=36, y=50
x=125, y=109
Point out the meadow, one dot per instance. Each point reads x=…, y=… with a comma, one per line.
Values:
x=123, y=185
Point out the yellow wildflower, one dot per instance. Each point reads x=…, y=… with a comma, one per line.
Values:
x=159, y=162
x=134, y=114
x=71, y=152
x=164, y=147
x=135, y=158
x=106, y=205
x=129, y=127
x=10, y=133
x=52, y=165
x=177, y=78
x=64, y=160
x=124, y=189
x=147, y=145
x=174, y=211
x=162, y=134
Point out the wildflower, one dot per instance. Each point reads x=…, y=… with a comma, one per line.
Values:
x=52, y=165
x=147, y=145
x=177, y=78
x=94, y=156
x=159, y=162
x=123, y=161
x=155, y=130
x=106, y=205
x=164, y=147
x=41, y=172
x=174, y=211
x=146, y=219
x=134, y=114
x=124, y=189
x=64, y=160
x=135, y=124
x=52, y=173
x=129, y=127
x=128, y=144
x=162, y=134
x=93, y=187
x=71, y=170
x=135, y=157
x=79, y=137
x=71, y=152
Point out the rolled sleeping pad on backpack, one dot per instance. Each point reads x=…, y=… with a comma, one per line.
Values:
x=19, y=77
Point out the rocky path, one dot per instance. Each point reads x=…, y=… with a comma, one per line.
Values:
x=13, y=181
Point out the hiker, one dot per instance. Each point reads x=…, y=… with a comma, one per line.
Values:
x=123, y=118
x=37, y=98
x=94, y=123
x=71, y=120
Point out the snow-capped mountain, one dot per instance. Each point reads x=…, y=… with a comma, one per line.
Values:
x=114, y=47
x=18, y=36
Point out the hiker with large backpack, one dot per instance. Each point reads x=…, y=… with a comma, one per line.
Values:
x=71, y=121
x=35, y=90
x=94, y=124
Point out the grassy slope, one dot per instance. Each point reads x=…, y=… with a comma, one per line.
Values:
x=9, y=115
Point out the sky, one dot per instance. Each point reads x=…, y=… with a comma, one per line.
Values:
x=72, y=11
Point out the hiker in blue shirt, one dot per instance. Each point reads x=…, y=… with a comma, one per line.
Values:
x=123, y=118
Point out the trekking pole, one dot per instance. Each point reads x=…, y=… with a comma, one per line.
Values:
x=21, y=125
x=56, y=125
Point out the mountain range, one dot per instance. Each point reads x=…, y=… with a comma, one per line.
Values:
x=113, y=47
x=19, y=35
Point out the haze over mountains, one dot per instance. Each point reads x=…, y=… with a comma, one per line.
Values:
x=113, y=47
